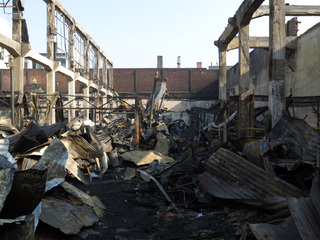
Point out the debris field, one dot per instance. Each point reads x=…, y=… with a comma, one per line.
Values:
x=169, y=180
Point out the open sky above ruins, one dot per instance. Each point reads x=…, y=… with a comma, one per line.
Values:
x=134, y=33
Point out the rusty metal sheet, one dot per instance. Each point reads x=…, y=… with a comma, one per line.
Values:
x=285, y=230
x=257, y=148
x=302, y=141
x=228, y=175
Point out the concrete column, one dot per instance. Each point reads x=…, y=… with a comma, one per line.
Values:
x=96, y=65
x=51, y=76
x=71, y=47
x=97, y=105
x=104, y=104
x=244, y=105
x=105, y=73
x=86, y=58
x=17, y=17
x=223, y=85
x=71, y=96
x=277, y=99
x=222, y=75
x=86, y=75
x=86, y=94
x=71, y=82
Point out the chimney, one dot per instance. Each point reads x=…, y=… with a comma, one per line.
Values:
x=199, y=64
x=179, y=62
x=160, y=62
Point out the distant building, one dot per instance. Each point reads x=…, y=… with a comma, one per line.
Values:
x=5, y=29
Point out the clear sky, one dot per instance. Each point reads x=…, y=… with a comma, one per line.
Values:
x=134, y=32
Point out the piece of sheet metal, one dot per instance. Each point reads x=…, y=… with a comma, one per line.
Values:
x=7, y=171
x=300, y=138
x=67, y=217
x=285, y=230
x=306, y=214
x=228, y=175
x=54, y=159
x=26, y=193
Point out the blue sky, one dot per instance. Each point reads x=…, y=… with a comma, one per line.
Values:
x=134, y=33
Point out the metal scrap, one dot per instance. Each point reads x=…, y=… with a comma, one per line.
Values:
x=227, y=175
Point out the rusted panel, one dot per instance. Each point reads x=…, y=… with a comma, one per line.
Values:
x=228, y=175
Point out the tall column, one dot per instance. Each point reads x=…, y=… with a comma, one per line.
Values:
x=86, y=75
x=71, y=96
x=244, y=104
x=71, y=82
x=223, y=85
x=51, y=76
x=277, y=99
x=97, y=65
x=85, y=102
x=17, y=17
x=97, y=105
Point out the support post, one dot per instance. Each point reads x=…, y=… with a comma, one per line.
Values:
x=137, y=123
x=18, y=83
x=277, y=99
x=244, y=103
x=71, y=66
x=71, y=96
x=97, y=105
x=51, y=76
x=85, y=102
x=11, y=66
x=223, y=86
x=86, y=75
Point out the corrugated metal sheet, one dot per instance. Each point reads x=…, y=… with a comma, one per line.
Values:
x=300, y=138
x=228, y=175
x=306, y=217
x=306, y=212
x=286, y=230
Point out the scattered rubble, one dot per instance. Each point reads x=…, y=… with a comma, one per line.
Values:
x=180, y=173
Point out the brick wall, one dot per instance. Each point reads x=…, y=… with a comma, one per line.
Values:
x=194, y=83
x=197, y=83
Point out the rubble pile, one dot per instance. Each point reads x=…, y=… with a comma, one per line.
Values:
x=256, y=188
